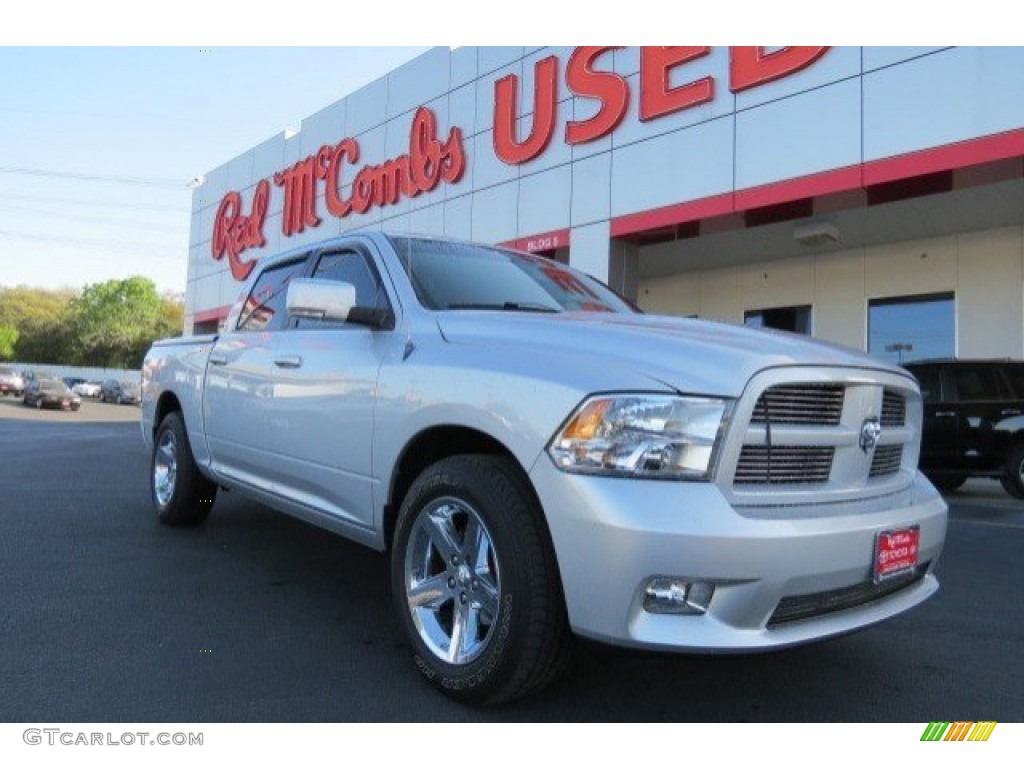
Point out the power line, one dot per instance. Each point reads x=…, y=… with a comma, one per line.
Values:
x=123, y=223
x=180, y=209
x=135, y=180
x=118, y=246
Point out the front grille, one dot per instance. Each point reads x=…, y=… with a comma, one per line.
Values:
x=800, y=607
x=784, y=464
x=894, y=409
x=818, y=404
x=886, y=461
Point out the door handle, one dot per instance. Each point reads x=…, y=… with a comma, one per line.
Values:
x=1010, y=412
x=288, y=361
x=945, y=413
x=218, y=358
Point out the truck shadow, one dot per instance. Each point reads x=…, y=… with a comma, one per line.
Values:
x=320, y=584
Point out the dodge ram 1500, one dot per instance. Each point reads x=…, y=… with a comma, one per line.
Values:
x=540, y=459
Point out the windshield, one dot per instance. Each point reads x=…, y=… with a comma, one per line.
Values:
x=452, y=275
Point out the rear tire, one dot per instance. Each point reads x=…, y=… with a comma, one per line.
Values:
x=1013, y=478
x=475, y=582
x=180, y=492
x=948, y=483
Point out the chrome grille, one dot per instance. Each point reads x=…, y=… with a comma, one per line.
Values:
x=799, y=431
x=894, y=409
x=886, y=461
x=817, y=404
x=784, y=464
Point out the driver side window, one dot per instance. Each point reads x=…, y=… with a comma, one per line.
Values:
x=350, y=267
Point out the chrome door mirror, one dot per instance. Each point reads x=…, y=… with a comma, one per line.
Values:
x=320, y=299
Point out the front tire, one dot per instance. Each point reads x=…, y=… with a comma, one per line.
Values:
x=180, y=492
x=475, y=582
x=1013, y=478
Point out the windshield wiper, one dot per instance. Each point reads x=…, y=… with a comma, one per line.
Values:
x=508, y=306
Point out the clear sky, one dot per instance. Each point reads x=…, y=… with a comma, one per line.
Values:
x=161, y=116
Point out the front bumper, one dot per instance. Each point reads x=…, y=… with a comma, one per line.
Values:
x=612, y=535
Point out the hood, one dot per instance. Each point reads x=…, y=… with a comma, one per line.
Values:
x=692, y=356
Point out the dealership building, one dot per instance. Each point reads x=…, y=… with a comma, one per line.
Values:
x=872, y=197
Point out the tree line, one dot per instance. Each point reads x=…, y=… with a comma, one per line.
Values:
x=106, y=325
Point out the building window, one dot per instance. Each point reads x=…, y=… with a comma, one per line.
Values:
x=793, y=319
x=912, y=327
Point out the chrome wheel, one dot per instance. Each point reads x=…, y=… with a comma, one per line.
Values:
x=452, y=580
x=165, y=468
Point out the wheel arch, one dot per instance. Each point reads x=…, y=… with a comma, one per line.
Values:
x=432, y=445
x=167, y=403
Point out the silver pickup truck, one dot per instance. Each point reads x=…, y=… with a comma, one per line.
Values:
x=540, y=459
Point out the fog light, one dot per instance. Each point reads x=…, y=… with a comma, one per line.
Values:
x=665, y=595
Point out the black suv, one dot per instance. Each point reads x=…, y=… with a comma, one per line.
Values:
x=973, y=421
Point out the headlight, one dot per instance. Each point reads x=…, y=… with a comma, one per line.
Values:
x=657, y=436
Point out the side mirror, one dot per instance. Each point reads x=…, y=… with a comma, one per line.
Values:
x=320, y=299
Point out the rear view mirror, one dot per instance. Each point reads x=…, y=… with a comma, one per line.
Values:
x=320, y=299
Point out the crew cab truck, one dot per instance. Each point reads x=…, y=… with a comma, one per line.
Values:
x=540, y=459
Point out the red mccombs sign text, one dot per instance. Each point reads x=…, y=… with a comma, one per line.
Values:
x=431, y=160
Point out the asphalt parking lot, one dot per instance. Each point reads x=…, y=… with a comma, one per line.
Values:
x=108, y=616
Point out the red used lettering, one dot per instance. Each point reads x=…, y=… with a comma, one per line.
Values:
x=234, y=232
x=750, y=65
x=657, y=97
x=609, y=88
x=507, y=146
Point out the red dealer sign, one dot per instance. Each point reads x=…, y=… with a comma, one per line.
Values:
x=431, y=160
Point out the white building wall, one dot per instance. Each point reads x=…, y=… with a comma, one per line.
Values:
x=852, y=106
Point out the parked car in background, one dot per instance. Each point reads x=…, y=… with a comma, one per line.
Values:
x=87, y=389
x=973, y=421
x=120, y=392
x=11, y=382
x=43, y=392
